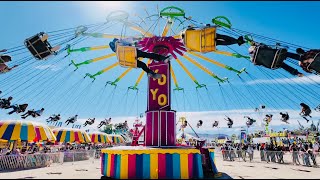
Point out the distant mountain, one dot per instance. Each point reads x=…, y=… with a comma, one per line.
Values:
x=209, y=136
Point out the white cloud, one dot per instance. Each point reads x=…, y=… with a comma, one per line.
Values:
x=49, y=66
x=311, y=79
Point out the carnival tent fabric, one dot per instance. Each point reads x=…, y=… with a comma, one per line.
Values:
x=68, y=135
x=116, y=139
x=13, y=130
x=99, y=137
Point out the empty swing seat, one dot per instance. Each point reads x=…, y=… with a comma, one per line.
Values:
x=200, y=40
x=268, y=57
x=127, y=56
x=38, y=48
x=315, y=65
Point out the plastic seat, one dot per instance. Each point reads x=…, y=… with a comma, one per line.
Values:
x=268, y=57
x=315, y=65
x=127, y=56
x=38, y=48
x=200, y=40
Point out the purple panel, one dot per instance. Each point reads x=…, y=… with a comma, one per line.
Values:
x=152, y=122
x=159, y=89
x=167, y=128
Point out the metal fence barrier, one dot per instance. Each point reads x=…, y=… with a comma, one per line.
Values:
x=281, y=157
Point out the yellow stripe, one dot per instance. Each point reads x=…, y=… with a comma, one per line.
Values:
x=81, y=139
x=110, y=67
x=208, y=59
x=167, y=28
x=223, y=53
x=199, y=65
x=136, y=28
x=125, y=73
x=154, y=166
x=99, y=47
x=184, y=166
x=109, y=164
x=124, y=167
x=43, y=134
x=16, y=131
x=63, y=135
x=186, y=70
x=3, y=129
x=96, y=138
x=31, y=132
x=173, y=76
x=103, y=57
x=151, y=151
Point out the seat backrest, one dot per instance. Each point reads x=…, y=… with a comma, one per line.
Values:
x=269, y=57
x=200, y=40
x=127, y=56
x=315, y=65
x=39, y=49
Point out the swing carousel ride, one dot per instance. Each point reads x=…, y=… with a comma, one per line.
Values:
x=64, y=72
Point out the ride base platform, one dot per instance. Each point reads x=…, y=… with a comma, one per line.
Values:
x=140, y=162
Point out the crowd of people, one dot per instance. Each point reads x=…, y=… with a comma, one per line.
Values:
x=306, y=151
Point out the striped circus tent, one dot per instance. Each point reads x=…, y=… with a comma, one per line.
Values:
x=100, y=137
x=116, y=139
x=69, y=135
x=17, y=130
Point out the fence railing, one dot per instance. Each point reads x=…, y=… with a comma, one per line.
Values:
x=281, y=157
x=16, y=162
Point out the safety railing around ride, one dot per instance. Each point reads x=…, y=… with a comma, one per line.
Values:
x=17, y=162
x=281, y=157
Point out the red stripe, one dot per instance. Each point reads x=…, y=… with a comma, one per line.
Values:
x=38, y=135
x=112, y=168
x=76, y=137
x=190, y=165
x=132, y=166
x=161, y=166
x=92, y=138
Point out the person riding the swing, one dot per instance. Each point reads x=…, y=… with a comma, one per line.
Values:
x=3, y=67
x=250, y=121
x=268, y=118
x=215, y=124
x=305, y=111
x=54, y=118
x=284, y=117
x=89, y=122
x=307, y=58
x=33, y=113
x=18, y=108
x=184, y=125
x=199, y=124
x=132, y=42
x=105, y=122
x=266, y=57
x=72, y=119
x=230, y=122
x=5, y=103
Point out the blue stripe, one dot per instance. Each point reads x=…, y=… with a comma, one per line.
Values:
x=139, y=169
x=67, y=136
x=214, y=168
x=198, y=168
x=59, y=136
x=176, y=166
x=169, y=164
x=105, y=164
x=99, y=138
x=8, y=132
x=24, y=132
x=117, y=166
x=146, y=166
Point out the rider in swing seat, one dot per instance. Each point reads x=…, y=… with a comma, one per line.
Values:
x=3, y=60
x=132, y=42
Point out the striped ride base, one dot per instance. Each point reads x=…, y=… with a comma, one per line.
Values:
x=129, y=162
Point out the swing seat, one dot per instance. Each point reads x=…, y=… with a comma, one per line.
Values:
x=127, y=56
x=200, y=40
x=38, y=48
x=268, y=57
x=315, y=65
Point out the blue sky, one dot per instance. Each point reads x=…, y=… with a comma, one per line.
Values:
x=293, y=22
